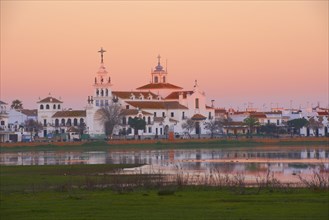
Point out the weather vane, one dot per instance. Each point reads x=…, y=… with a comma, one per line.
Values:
x=102, y=51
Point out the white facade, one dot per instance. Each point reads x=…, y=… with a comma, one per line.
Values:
x=4, y=128
x=162, y=105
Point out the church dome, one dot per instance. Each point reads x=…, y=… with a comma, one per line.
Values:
x=158, y=67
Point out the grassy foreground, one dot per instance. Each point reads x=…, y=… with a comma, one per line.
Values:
x=71, y=192
x=183, y=204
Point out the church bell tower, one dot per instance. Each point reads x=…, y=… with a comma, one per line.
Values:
x=102, y=94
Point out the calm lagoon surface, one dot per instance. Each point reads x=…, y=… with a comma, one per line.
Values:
x=286, y=162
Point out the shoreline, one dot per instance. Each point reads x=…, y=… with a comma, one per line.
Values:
x=175, y=141
x=164, y=144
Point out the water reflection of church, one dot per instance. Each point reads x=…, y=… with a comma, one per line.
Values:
x=174, y=159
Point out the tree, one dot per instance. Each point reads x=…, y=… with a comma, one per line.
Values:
x=314, y=125
x=109, y=116
x=251, y=123
x=16, y=104
x=31, y=126
x=136, y=124
x=269, y=129
x=214, y=126
x=297, y=124
x=82, y=128
x=188, y=125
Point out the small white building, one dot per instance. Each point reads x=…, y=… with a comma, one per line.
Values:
x=18, y=117
x=4, y=128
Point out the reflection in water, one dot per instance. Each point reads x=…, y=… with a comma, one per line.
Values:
x=284, y=163
x=160, y=157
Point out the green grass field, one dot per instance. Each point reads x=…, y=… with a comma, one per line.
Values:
x=55, y=192
x=183, y=204
x=208, y=143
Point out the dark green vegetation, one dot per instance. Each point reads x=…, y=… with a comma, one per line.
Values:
x=105, y=146
x=182, y=204
x=24, y=179
x=72, y=192
x=137, y=124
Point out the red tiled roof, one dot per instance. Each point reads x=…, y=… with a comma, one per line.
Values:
x=220, y=110
x=127, y=94
x=274, y=113
x=175, y=95
x=258, y=115
x=198, y=117
x=240, y=113
x=28, y=112
x=133, y=112
x=156, y=105
x=50, y=99
x=323, y=113
x=72, y=113
x=159, y=86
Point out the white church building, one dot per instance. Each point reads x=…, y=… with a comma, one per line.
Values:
x=163, y=106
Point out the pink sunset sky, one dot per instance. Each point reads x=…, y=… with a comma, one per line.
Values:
x=267, y=53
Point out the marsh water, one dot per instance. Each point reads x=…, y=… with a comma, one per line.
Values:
x=284, y=161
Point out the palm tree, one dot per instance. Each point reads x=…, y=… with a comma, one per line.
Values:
x=16, y=104
x=251, y=122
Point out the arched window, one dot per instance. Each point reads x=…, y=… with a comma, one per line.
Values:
x=149, y=120
x=63, y=122
x=58, y=106
x=56, y=122
x=164, y=79
x=107, y=92
x=69, y=122
x=102, y=92
x=54, y=106
x=41, y=106
x=47, y=106
x=81, y=121
x=75, y=122
x=156, y=79
x=144, y=119
x=97, y=92
x=124, y=120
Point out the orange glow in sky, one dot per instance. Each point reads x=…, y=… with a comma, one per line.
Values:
x=264, y=52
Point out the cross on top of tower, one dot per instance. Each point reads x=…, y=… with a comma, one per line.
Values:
x=158, y=67
x=159, y=57
x=102, y=51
